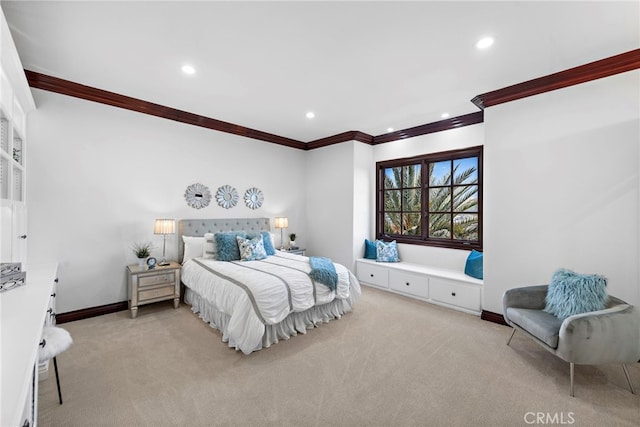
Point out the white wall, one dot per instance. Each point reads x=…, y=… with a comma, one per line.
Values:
x=468, y=136
x=98, y=176
x=562, y=187
x=330, y=187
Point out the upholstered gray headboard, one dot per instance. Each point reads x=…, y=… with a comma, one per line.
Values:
x=198, y=227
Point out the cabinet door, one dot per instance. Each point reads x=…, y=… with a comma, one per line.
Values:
x=19, y=230
x=6, y=225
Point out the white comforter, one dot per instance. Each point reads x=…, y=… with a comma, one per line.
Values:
x=252, y=295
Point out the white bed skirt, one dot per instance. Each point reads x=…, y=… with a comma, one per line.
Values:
x=293, y=324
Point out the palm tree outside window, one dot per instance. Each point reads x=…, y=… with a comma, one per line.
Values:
x=435, y=199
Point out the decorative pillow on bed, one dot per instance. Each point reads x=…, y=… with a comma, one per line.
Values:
x=227, y=245
x=370, y=251
x=267, y=241
x=193, y=247
x=209, y=250
x=387, y=252
x=251, y=249
x=570, y=293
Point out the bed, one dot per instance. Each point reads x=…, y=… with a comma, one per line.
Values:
x=256, y=303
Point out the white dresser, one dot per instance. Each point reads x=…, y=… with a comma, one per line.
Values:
x=23, y=313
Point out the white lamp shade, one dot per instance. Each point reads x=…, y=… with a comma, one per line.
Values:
x=165, y=226
x=281, y=222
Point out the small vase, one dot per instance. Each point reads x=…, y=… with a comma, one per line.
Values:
x=142, y=262
x=292, y=244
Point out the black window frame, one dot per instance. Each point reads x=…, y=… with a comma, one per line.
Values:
x=423, y=160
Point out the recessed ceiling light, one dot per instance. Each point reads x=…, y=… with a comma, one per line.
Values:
x=390, y=129
x=311, y=115
x=188, y=69
x=444, y=115
x=484, y=42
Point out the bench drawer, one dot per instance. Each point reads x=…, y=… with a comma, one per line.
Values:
x=373, y=274
x=455, y=293
x=409, y=283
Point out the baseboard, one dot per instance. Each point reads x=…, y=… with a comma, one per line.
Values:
x=493, y=317
x=86, y=313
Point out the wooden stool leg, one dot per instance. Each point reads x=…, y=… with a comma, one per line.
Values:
x=55, y=366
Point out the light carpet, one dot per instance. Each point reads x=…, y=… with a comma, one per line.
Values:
x=393, y=361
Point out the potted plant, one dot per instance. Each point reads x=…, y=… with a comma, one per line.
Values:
x=142, y=252
x=292, y=240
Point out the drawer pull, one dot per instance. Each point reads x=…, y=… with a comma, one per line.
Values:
x=453, y=294
x=53, y=294
x=56, y=280
x=407, y=283
x=43, y=343
x=371, y=274
x=50, y=310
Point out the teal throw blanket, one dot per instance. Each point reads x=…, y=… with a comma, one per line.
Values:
x=323, y=271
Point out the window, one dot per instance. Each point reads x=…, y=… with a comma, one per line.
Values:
x=435, y=199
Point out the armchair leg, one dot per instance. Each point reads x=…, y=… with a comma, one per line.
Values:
x=571, y=367
x=626, y=374
x=512, y=334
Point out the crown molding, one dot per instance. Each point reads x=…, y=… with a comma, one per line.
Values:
x=352, y=135
x=66, y=87
x=439, y=126
x=594, y=70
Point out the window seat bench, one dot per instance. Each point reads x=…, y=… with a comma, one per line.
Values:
x=449, y=288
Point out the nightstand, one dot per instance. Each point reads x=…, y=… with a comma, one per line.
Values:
x=297, y=251
x=152, y=285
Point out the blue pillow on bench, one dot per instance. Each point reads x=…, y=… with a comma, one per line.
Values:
x=370, y=251
x=473, y=267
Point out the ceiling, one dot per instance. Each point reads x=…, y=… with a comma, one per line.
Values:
x=363, y=66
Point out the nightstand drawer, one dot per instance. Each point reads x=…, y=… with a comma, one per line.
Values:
x=148, y=294
x=156, y=279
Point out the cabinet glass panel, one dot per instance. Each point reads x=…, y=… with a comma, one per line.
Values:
x=17, y=184
x=18, y=152
x=4, y=178
x=4, y=134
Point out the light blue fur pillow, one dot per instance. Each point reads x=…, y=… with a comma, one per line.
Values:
x=227, y=245
x=570, y=293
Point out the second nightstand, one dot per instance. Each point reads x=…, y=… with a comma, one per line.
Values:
x=152, y=285
x=297, y=251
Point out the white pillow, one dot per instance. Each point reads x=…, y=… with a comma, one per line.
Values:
x=193, y=247
x=209, y=249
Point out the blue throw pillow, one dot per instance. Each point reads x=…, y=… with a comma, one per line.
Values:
x=227, y=245
x=570, y=293
x=473, y=266
x=266, y=241
x=387, y=252
x=251, y=249
x=370, y=251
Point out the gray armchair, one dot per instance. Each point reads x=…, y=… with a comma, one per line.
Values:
x=599, y=337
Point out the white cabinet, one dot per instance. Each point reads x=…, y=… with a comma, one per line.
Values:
x=24, y=313
x=15, y=101
x=448, y=288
